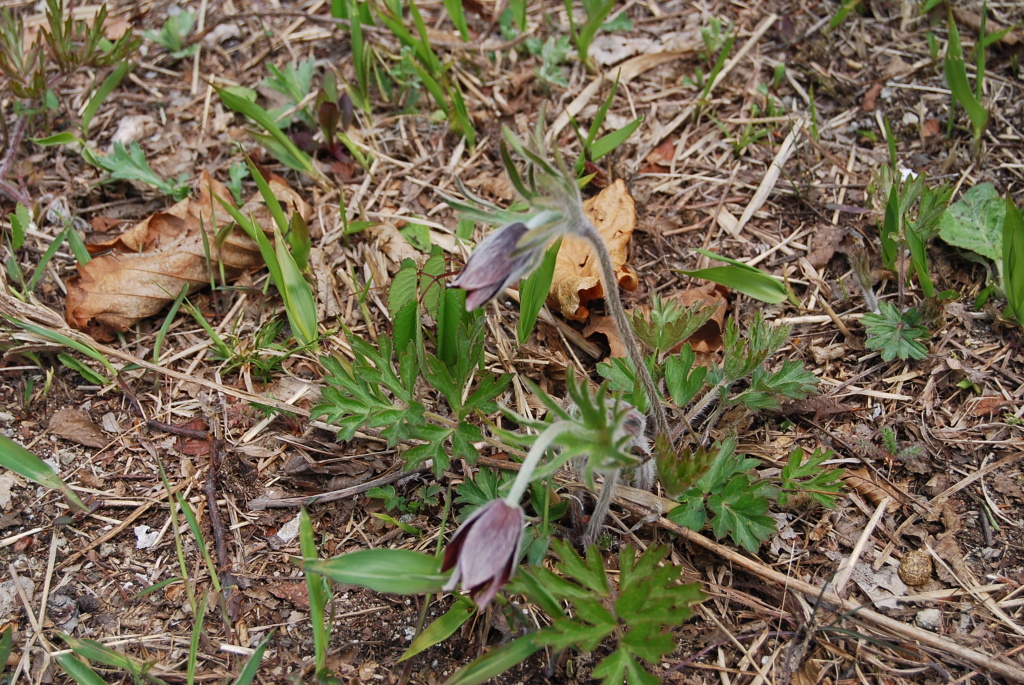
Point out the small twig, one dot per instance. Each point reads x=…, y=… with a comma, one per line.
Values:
x=228, y=582
x=262, y=503
x=13, y=142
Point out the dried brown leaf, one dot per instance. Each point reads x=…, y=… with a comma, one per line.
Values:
x=155, y=258
x=75, y=425
x=577, y=277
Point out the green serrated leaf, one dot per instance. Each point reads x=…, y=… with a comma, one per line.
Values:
x=895, y=334
x=589, y=572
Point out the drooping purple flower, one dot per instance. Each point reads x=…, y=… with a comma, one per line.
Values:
x=484, y=550
x=496, y=264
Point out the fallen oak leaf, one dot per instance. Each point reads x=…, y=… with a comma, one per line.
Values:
x=577, y=275
x=114, y=291
x=160, y=230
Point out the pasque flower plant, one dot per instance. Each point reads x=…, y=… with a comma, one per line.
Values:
x=554, y=207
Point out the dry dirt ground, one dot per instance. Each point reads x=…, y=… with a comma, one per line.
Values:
x=950, y=484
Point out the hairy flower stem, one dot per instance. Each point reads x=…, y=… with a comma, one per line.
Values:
x=611, y=290
x=533, y=457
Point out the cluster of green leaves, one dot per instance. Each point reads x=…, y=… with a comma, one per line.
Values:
x=638, y=613
x=743, y=357
x=66, y=45
x=129, y=164
x=598, y=425
x=738, y=499
x=371, y=392
x=426, y=495
x=595, y=11
x=436, y=77
x=718, y=45
x=714, y=479
x=272, y=137
x=20, y=222
x=173, y=33
x=912, y=213
x=259, y=354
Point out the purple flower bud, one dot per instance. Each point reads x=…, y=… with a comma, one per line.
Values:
x=494, y=265
x=484, y=550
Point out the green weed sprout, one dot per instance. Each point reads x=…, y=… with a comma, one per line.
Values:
x=956, y=78
x=173, y=33
x=596, y=12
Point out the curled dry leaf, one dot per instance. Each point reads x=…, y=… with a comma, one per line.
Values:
x=577, y=277
x=151, y=261
x=705, y=342
x=708, y=337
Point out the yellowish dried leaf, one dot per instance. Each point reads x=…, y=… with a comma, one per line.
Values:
x=577, y=277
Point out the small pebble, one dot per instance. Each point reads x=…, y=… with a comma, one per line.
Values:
x=928, y=619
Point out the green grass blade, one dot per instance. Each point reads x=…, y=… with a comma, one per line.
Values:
x=496, y=661
x=956, y=78
x=6, y=645
x=399, y=571
x=919, y=260
x=533, y=292
x=103, y=92
x=1013, y=260
x=40, y=270
x=458, y=17
x=193, y=525
x=743, y=278
x=441, y=629
x=299, y=302
x=319, y=591
x=247, y=108
x=161, y=335
x=257, y=234
x=61, y=339
x=81, y=369
x=193, y=647
x=269, y=199
x=23, y=462
x=78, y=670
x=602, y=146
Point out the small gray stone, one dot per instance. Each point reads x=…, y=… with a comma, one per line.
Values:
x=10, y=603
x=928, y=619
